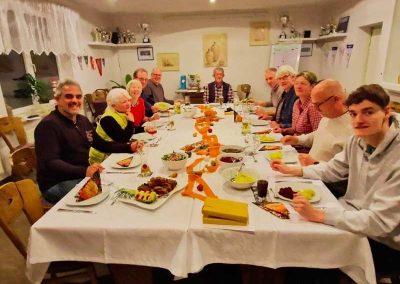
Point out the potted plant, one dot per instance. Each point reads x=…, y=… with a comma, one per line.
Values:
x=128, y=77
x=29, y=86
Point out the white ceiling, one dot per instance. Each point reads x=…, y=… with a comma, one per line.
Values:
x=186, y=6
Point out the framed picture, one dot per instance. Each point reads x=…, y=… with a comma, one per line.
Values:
x=145, y=53
x=259, y=33
x=168, y=61
x=342, y=25
x=215, y=50
x=306, y=49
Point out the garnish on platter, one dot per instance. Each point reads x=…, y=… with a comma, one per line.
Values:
x=125, y=162
x=288, y=192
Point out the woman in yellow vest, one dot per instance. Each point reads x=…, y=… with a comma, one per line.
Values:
x=116, y=124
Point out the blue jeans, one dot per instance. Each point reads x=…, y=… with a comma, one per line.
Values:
x=58, y=191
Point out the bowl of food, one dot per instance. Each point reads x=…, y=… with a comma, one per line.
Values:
x=240, y=180
x=232, y=149
x=230, y=159
x=188, y=112
x=175, y=160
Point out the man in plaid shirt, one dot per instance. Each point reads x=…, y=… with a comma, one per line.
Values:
x=218, y=88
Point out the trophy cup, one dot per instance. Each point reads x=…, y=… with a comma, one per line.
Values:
x=284, y=19
x=145, y=30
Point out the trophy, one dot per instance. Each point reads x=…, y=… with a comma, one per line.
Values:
x=284, y=19
x=145, y=30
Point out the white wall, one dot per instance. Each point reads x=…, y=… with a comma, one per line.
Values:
x=183, y=35
x=362, y=14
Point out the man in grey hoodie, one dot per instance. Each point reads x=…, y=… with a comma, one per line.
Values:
x=371, y=205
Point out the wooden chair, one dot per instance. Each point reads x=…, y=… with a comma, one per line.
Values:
x=14, y=126
x=23, y=163
x=243, y=91
x=97, y=102
x=24, y=197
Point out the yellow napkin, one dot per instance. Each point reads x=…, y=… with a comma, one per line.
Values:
x=225, y=212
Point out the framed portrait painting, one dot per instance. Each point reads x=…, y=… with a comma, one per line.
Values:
x=215, y=50
x=145, y=53
x=168, y=61
x=259, y=33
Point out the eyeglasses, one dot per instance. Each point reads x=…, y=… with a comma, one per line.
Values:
x=71, y=96
x=158, y=75
x=317, y=105
x=283, y=78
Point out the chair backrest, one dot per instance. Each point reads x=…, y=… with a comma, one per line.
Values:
x=97, y=102
x=23, y=162
x=12, y=125
x=16, y=198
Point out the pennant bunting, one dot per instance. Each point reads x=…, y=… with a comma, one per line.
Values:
x=99, y=66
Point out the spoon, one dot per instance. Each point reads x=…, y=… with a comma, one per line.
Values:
x=237, y=173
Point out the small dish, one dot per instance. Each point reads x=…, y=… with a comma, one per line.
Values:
x=231, y=172
x=71, y=200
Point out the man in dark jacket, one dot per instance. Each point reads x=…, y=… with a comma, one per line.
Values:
x=62, y=142
x=218, y=89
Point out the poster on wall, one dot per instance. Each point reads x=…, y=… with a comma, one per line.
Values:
x=215, y=50
x=259, y=33
x=168, y=61
x=285, y=54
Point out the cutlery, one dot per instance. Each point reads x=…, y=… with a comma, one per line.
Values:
x=294, y=180
x=76, y=210
x=237, y=173
x=121, y=172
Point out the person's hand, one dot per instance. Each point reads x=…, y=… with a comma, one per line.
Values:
x=145, y=119
x=289, y=140
x=130, y=116
x=279, y=166
x=137, y=146
x=179, y=102
x=154, y=109
x=261, y=111
x=306, y=159
x=277, y=129
x=154, y=117
x=274, y=124
x=302, y=206
x=93, y=168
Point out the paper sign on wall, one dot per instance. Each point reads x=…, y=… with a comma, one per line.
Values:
x=349, y=50
x=333, y=53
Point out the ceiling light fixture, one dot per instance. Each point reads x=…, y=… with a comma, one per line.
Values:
x=212, y=1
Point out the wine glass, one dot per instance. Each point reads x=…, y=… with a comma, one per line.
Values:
x=255, y=144
x=145, y=170
x=170, y=123
x=152, y=130
x=221, y=101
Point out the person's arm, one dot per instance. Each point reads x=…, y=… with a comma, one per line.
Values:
x=205, y=95
x=230, y=94
x=114, y=130
x=109, y=147
x=48, y=148
x=305, y=140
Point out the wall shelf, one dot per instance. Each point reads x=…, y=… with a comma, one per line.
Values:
x=391, y=87
x=335, y=36
x=122, y=45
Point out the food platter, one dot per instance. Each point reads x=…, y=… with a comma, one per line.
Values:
x=298, y=186
x=71, y=200
x=160, y=200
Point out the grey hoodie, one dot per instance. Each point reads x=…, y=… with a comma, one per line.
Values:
x=372, y=201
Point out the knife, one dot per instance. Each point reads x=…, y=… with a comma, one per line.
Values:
x=76, y=210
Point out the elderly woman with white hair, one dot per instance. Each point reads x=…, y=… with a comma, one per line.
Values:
x=116, y=124
x=138, y=110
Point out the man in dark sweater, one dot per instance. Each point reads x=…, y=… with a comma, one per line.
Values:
x=154, y=88
x=218, y=88
x=62, y=142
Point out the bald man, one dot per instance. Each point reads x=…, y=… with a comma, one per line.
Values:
x=154, y=89
x=334, y=128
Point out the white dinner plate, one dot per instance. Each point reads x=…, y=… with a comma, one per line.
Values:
x=289, y=157
x=134, y=163
x=164, y=113
x=71, y=200
x=158, y=123
x=143, y=136
x=297, y=186
x=259, y=122
x=160, y=200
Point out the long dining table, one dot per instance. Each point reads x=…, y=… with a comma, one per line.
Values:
x=173, y=235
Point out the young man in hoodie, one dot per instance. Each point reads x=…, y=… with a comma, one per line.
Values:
x=371, y=205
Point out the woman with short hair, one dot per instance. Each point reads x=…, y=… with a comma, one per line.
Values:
x=116, y=124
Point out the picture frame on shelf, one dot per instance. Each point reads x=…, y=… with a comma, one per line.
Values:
x=168, y=61
x=306, y=50
x=342, y=24
x=145, y=53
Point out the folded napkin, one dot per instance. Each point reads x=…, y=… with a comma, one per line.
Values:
x=225, y=212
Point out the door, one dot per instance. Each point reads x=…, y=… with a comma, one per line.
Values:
x=371, y=72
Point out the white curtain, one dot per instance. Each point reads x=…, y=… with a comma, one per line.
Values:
x=39, y=27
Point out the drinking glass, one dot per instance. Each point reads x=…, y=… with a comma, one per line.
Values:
x=262, y=189
x=145, y=170
x=152, y=130
x=170, y=123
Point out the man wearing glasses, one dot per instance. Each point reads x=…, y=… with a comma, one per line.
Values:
x=155, y=89
x=334, y=128
x=142, y=76
x=62, y=142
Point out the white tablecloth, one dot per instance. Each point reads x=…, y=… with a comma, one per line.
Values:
x=173, y=236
